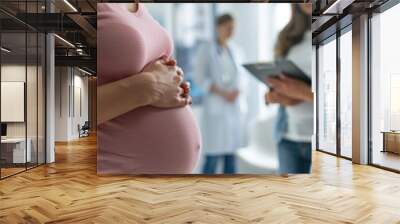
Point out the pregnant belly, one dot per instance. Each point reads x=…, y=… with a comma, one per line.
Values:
x=149, y=140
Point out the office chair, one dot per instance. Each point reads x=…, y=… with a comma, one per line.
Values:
x=84, y=130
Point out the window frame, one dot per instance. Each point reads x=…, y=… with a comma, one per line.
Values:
x=371, y=13
x=333, y=37
x=340, y=31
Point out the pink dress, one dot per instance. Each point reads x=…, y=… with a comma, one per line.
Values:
x=147, y=140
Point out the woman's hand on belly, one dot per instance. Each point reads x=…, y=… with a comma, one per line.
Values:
x=169, y=90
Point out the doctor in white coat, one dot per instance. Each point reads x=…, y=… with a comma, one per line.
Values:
x=217, y=72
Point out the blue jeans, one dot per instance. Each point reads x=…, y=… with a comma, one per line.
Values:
x=294, y=157
x=210, y=166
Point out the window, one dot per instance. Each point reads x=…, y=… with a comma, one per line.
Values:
x=327, y=97
x=346, y=94
x=385, y=89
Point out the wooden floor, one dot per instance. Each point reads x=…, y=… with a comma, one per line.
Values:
x=5, y=172
x=387, y=159
x=69, y=191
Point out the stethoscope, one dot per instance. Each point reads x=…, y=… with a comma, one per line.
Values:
x=226, y=78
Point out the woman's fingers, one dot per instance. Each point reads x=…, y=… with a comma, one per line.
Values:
x=275, y=83
x=180, y=92
x=275, y=97
x=180, y=71
x=164, y=58
x=270, y=97
x=189, y=100
x=183, y=98
x=170, y=62
x=178, y=79
x=283, y=77
x=174, y=91
x=181, y=101
x=167, y=60
x=186, y=87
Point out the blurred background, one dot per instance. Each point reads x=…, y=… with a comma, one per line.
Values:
x=256, y=30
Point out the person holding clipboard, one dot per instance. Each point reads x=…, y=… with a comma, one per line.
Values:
x=294, y=125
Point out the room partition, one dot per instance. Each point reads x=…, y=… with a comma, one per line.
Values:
x=23, y=88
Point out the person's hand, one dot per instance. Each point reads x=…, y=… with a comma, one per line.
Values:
x=186, y=91
x=167, y=79
x=291, y=88
x=231, y=95
x=228, y=95
x=185, y=84
x=275, y=97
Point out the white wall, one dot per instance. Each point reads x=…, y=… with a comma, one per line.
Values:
x=14, y=73
x=61, y=103
x=17, y=73
x=246, y=21
x=80, y=103
x=34, y=124
x=69, y=82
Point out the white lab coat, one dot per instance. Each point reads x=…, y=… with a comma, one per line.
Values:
x=221, y=121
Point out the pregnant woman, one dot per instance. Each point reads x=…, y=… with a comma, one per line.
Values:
x=144, y=123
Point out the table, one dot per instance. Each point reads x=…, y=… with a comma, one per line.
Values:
x=13, y=150
x=391, y=141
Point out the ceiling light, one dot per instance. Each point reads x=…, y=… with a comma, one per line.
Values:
x=79, y=51
x=84, y=71
x=70, y=5
x=333, y=6
x=5, y=50
x=65, y=41
x=337, y=7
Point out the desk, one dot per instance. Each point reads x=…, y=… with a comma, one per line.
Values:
x=391, y=141
x=13, y=150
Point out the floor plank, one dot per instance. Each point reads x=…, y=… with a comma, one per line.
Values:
x=69, y=191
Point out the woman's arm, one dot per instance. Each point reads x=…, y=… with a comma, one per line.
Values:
x=158, y=85
x=116, y=98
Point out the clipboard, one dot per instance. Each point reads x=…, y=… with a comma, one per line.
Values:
x=263, y=70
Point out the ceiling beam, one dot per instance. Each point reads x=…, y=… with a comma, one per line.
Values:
x=337, y=7
x=82, y=61
x=84, y=24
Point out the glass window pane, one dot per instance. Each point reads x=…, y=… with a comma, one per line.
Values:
x=22, y=90
x=327, y=97
x=41, y=98
x=31, y=97
x=346, y=94
x=385, y=114
x=13, y=86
